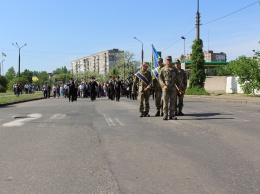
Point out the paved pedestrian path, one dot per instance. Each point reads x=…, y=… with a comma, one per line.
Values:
x=229, y=98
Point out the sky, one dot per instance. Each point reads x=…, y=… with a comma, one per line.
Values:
x=57, y=32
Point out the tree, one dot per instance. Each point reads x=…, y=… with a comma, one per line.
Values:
x=27, y=74
x=22, y=81
x=248, y=72
x=125, y=66
x=182, y=57
x=10, y=74
x=198, y=75
x=3, y=84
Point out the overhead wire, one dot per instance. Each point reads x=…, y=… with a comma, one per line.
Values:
x=212, y=22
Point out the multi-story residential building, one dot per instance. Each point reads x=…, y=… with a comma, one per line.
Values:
x=99, y=62
x=210, y=56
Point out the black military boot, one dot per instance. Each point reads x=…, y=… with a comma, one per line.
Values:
x=146, y=114
x=180, y=112
x=157, y=113
x=141, y=114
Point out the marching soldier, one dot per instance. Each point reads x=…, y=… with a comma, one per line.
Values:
x=157, y=87
x=168, y=80
x=93, y=84
x=144, y=80
x=181, y=87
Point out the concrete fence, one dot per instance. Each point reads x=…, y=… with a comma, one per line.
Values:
x=223, y=84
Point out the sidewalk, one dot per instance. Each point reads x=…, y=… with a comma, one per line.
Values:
x=228, y=98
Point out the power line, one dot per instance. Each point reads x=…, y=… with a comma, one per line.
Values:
x=179, y=39
x=232, y=13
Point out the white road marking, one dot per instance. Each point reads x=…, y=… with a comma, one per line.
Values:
x=58, y=116
x=20, y=122
x=109, y=120
x=119, y=122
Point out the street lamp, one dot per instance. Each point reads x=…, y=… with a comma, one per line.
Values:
x=184, y=48
x=16, y=45
x=142, y=50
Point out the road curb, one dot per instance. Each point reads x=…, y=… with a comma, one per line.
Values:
x=227, y=100
x=11, y=103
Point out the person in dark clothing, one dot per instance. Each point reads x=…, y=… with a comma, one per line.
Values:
x=118, y=87
x=93, y=84
x=71, y=91
x=112, y=88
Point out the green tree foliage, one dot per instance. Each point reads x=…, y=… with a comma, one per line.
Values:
x=198, y=75
x=223, y=71
x=248, y=72
x=10, y=74
x=61, y=73
x=3, y=84
x=125, y=66
x=22, y=81
x=62, y=70
x=27, y=74
x=43, y=78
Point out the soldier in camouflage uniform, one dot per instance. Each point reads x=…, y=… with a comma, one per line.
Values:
x=144, y=80
x=181, y=87
x=157, y=88
x=168, y=80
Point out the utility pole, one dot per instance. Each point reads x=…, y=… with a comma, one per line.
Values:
x=198, y=22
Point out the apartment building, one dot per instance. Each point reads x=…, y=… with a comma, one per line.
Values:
x=210, y=56
x=99, y=62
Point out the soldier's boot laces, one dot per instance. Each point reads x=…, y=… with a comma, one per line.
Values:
x=157, y=113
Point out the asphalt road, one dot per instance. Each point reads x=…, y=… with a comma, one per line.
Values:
x=53, y=146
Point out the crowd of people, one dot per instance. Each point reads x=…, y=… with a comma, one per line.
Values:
x=113, y=89
x=166, y=84
x=27, y=88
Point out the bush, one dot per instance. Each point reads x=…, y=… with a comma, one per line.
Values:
x=2, y=89
x=3, y=81
x=196, y=91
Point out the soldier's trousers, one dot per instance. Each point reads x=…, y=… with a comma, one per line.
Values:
x=158, y=100
x=179, y=101
x=144, y=101
x=169, y=96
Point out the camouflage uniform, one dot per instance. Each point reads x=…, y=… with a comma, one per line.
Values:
x=168, y=77
x=158, y=91
x=143, y=96
x=182, y=87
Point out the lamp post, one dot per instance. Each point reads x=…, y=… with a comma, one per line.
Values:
x=142, y=49
x=184, y=48
x=19, y=59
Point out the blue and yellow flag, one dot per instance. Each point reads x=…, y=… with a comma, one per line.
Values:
x=34, y=78
x=3, y=55
x=155, y=57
